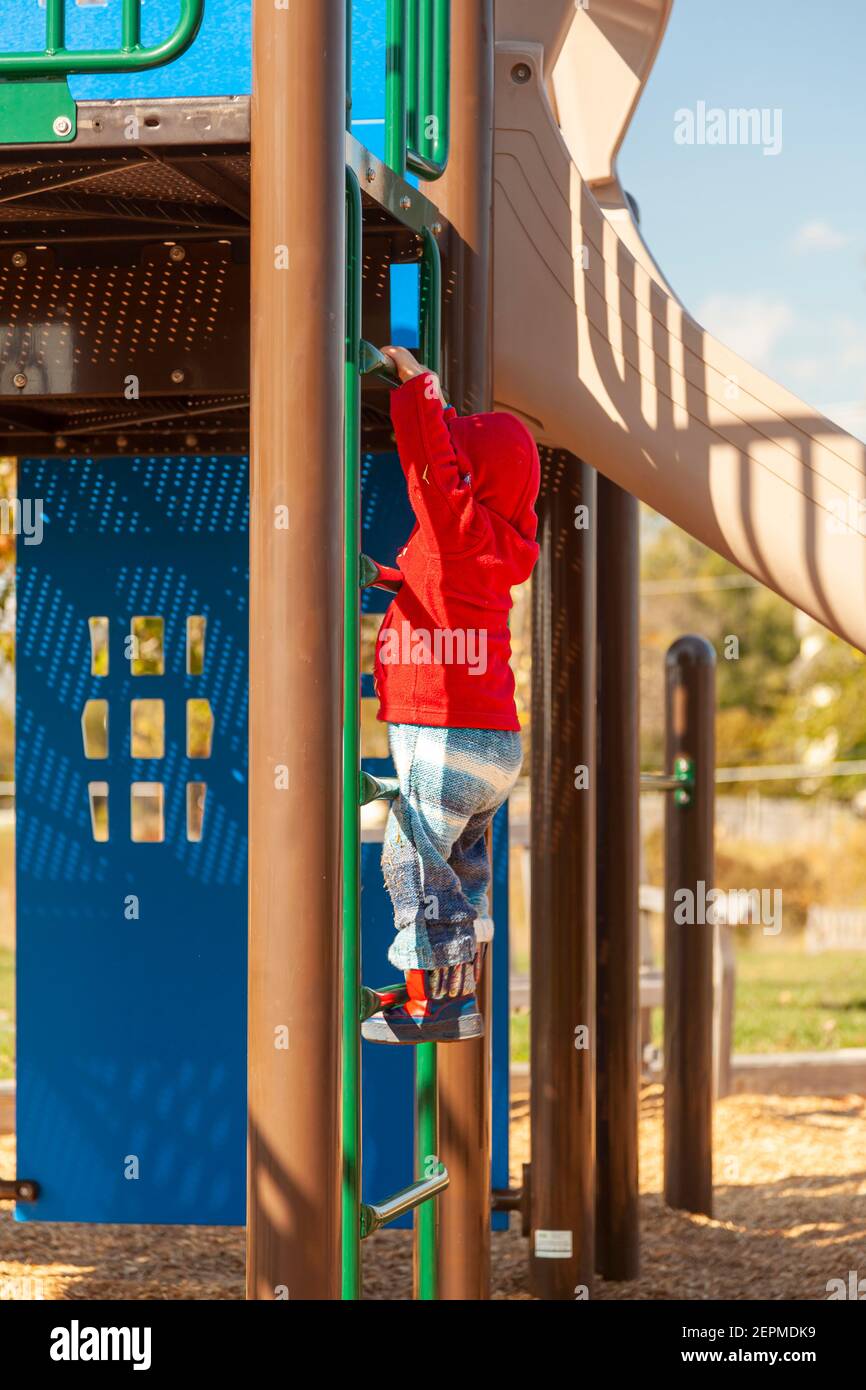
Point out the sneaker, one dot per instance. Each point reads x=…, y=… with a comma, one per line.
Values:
x=440, y=1007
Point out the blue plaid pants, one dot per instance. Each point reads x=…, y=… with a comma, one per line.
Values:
x=434, y=856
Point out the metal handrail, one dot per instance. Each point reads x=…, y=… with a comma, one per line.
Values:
x=58, y=60
x=417, y=81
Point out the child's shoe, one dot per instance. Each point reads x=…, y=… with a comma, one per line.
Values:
x=440, y=1007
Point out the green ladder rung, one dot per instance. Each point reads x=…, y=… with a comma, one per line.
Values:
x=681, y=781
x=375, y=1215
x=373, y=362
x=372, y=1000
x=377, y=788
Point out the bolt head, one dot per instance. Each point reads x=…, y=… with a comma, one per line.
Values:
x=62, y=125
x=178, y=375
x=19, y=259
x=521, y=72
x=176, y=253
x=122, y=441
x=405, y=202
x=59, y=442
x=190, y=440
x=26, y=1191
x=436, y=228
x=370, y=174
x=19, y=380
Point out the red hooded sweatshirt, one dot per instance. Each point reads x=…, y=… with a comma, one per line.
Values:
x=443, y=651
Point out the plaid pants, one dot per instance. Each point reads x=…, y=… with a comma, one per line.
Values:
x=434, y=856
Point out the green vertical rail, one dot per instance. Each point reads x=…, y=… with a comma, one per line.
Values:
x=426, y=1090
x=396, y=50
x=417, y=86
x=351, y=1204
x=55, y=25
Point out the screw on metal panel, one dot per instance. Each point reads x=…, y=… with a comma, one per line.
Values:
x=176, y=253
x=190, y=440
x=19, y=258
x=122, y=441
x=59, y=442
x=62, y=125
x=436, y=228
x=178, y=375
x=521, y=72
x=370, y=173
x=405, y=202
x=27, y=1191
x=19, y=380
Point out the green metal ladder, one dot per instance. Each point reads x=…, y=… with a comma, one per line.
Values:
x=416, y=81
x=36, y=106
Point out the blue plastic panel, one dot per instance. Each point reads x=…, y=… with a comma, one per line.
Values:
x=131, y=961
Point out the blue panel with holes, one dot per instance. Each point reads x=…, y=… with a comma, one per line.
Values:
x=131, y=963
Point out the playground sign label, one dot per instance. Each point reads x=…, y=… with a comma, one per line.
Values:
x=554, y=1245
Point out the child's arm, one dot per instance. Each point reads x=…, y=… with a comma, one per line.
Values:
x=449, y=518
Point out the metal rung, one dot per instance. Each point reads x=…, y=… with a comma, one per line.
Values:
x=18, y=1190
x=372, y=1000
x=376, y=1215
x=372, y=361
x=377, y=788
x=369, y=577
x=681, y=781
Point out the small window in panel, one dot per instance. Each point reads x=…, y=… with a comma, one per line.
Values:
x=94, y=728
x=147, y=728
x=98, y=795
x=195, y=633
x=199, y=728
x=147, y=813
x=147, y=657
x=195, y=799
x=98, y=646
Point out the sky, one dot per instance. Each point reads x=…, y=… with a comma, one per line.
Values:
x=767, y=251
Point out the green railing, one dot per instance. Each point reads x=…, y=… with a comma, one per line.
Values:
x=360, y=1219
x=35, y=102
x=417, y=75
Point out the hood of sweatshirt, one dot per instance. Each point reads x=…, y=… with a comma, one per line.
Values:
x=501, y=465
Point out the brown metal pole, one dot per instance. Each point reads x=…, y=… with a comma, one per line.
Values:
x=296, y=621
x=688, y=1044
x=617, y=922
x=464, y=195
x=563, y=1043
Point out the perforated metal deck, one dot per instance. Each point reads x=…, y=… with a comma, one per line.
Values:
x=124, y=279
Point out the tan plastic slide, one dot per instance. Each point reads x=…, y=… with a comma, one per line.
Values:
x=593, y=349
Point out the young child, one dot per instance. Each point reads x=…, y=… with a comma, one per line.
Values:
x=446, y=691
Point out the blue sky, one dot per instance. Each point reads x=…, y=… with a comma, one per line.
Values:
x=767, y=252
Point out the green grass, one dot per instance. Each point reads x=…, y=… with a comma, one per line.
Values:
x=790, y=1002
x=7, y=1014
x=785, y=1002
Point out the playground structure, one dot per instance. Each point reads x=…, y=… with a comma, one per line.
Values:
x=126, y=254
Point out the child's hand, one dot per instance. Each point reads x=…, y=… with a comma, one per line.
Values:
x=408, y=367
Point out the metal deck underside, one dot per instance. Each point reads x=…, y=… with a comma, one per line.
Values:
x=124, y=280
